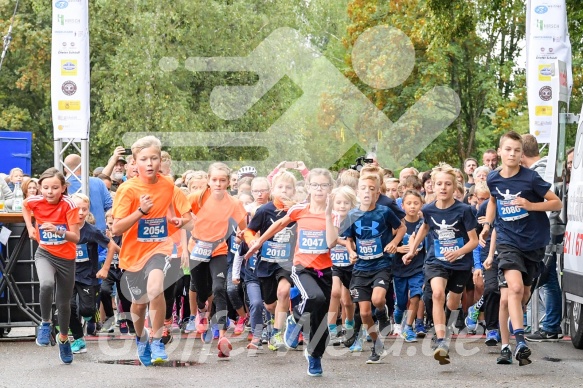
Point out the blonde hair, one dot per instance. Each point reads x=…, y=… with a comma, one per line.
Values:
x=109, y=213
x=349, y=180
x=146, y=142
x=348, y=193
x=90, y=218
x=260, y=180
x=371, y=177
x=377, y=171
x=284, y=176
x=320, y=172
x=14, y=170
x=218, y=166
x=445, y=168
x=481, y=187
x=82, y=197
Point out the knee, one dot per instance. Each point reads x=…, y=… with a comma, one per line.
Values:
x=47, y=286
x=365, y=314
x=283, y=293
x=438, y=296
x=515, y=289
x=219, y=288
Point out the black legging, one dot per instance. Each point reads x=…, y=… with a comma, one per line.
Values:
x=114, y=276
x=209, y=278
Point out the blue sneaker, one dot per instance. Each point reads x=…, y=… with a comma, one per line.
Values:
x=356, y=346
x=492, y=337
x=409, y=335
x=191, y=325
x=207, y=337
x=158, y=352
x=43, y=336
x=216, y=332
x=79, y=346
x=471, y=320
x=65, y=353
x=314, y=364
x=522, y=354
x=420, y=329
x=144, y=350
x=292, y=333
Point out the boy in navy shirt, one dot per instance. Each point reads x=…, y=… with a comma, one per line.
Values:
x=518, y=202
x=451, y=227
x=371, y=227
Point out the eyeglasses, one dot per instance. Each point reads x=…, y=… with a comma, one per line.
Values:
x=482, y=199
x=260, y=191
x=320, y=185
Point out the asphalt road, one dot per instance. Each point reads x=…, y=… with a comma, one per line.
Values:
x=22, y=363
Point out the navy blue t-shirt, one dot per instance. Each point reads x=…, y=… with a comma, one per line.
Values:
x=416, y=265
x=87, y=261
x=391, y=204
x=278, y=251
x=371, y=231
x=524, y=230
x=448, y=231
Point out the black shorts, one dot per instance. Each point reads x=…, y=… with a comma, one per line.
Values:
x=344, y=274
x=470, y=283
x=456, y=279
x=363, y=282
x=269, y=284
x=135, y=286
x=529, y=263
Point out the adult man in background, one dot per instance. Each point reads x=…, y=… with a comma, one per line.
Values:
x=490, y=159
x=116, y=167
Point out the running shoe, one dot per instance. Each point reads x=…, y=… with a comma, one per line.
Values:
x=166, y=334
x=492, y=337
x=377, y=353
x=225, y=348
x=131, y=327
x=276, y=342
x=216, y=331
x=542, y=336
x=292, y=333
x=441, y=353
x=79, y=346
x=158, y=352
x=314, y=364
x=420, y=329
x=65, y=353
x=265, y=336
x=201, y=322
x=175, y=327
x=239, y=326
x=397, y=329
x=43, y=336
x=107, y=327
x=123, y=327
x=505, y=356
x=191, y=325
x=522, y=354
x=433, y=342
x=250, y=336
x=471, y=320
x=91, y=328
x=207, y=337
x=356, y=345
x=409, y=335
x=144, y=350
x=255, y=344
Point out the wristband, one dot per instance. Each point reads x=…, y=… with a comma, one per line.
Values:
x=489, y=224
x=143, y=212
x=62, y=229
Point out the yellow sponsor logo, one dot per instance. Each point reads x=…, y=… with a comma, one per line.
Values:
x=69, y=67
x=72, y=105
x=543, y=110
x=545, y=72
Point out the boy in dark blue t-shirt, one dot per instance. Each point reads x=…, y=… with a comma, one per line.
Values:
x=451, y=228
x=518, y=202
x=370, y=227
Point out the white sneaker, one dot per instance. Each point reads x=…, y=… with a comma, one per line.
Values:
x=397, y=329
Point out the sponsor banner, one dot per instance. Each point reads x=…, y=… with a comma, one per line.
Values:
x=547, y=40
x=70, y=69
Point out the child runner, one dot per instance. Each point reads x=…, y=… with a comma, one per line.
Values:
x=518, y=202
x=311, y=271
x=451, y=226
x=86, y=272
x=274, y=261
x=344, y=201
x=370, y=227
x=56, y=230
x=143, y=210
x=217, y=216
x=408, y=275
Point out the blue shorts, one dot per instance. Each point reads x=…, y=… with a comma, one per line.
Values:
x=406, y=288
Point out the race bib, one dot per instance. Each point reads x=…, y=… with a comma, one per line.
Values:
x=369, y=249
x=440, y=247
x=275, y=252
x=339, y=256
x=202, y=251
x=313, y=242
x=152, y=229
x=253, y=262
x=50, y=238
x=406, y=238
x=234, y=245
x=82, y=255
x=509, y=212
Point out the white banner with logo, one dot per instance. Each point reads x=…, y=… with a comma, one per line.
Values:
x=547, y=40
x=70, y=69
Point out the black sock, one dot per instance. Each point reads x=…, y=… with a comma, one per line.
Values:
x=519, y=335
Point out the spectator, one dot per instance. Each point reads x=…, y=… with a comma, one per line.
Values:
x=470, y=164
x=15, y=177
x=106, y=180
x=97, y=171
x=490, y=159
x=407, y=171
x=7, y=194
x=115, y=168
x=166, y=164
x=30, y=188
x=481, y=174
x=101, y=200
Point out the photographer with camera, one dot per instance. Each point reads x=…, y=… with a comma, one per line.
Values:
x=116, y=167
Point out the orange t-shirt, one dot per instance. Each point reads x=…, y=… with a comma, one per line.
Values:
x=212, y=219
x=311, y=247
x=64, y=213
x=152, y=233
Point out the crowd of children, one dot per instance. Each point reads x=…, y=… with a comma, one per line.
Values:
x=321, y=260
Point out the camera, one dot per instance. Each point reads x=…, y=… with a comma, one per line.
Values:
x=360, y=162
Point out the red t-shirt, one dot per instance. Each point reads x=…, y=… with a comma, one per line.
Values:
x=311, y=247
x=64, y=213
